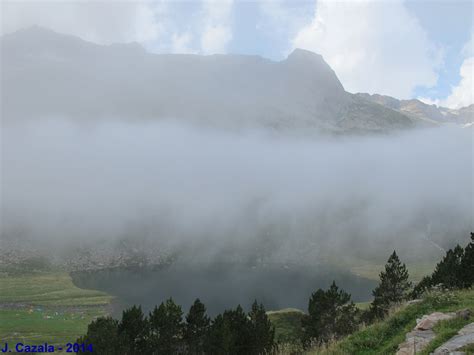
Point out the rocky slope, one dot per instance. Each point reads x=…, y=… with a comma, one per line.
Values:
x=423, y=334
x=430, y=114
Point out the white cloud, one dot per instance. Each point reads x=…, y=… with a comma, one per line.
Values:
x=373, y=46
x=207, y=29
x=463, y=93
x=429, y=101
x=156, y=23
x=97, y=21
x=215, y=39
x=181, y=43
x=281, y=20
x=217, y=30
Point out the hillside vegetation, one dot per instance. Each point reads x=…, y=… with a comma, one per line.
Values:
x=287, y=323
x=384, y=337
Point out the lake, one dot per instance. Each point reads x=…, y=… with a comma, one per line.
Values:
x=222, y=286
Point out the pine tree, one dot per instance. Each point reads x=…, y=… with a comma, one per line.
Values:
x=166, y=322
x=133, y=331
x=456, y=270
x=467, y=264
x=449, y=271
x=393, y=287
x=242, y=329
x=196, y=328
x=221, y=338
x=425, y=283
x=102, y=335
x=262, y=329
x=331, y=315
x=230, y=333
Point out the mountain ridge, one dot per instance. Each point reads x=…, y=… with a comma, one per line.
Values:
x=63, y=75
x=417, y=109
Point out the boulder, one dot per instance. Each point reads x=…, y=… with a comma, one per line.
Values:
x=468, y=329
x=428, y=321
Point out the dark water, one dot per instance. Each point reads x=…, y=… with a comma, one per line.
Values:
x=222, y=286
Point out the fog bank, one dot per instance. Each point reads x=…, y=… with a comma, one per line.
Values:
x=208, y=193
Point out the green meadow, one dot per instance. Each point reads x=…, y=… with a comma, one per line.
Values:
x=46, y=307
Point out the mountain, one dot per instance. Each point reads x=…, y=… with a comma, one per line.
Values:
x=48, y=74
x=464, y=115
x=416, y=109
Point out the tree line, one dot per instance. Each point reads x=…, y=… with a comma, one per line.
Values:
x=164, y=331
x=454, y=271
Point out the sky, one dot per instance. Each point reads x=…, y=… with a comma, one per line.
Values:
x=406, y=49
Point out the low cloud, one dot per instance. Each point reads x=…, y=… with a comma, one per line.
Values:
x=209, y=190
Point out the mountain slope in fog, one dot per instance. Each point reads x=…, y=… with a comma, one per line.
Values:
x=419, y=110
x=61, y=75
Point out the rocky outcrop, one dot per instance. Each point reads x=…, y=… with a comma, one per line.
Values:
x=422, y=334
x=415, y=341
x=419, y=338
x=427, y=322
x=124, y=253
x=430, y=114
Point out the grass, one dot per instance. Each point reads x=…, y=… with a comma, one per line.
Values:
x=363, y=305
x=372, y=271
x=46, y=307
x=45, y=325
x=54, y=289
x=287, y=323
x=369, y=267
x=468, y=349
x=385, y=336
